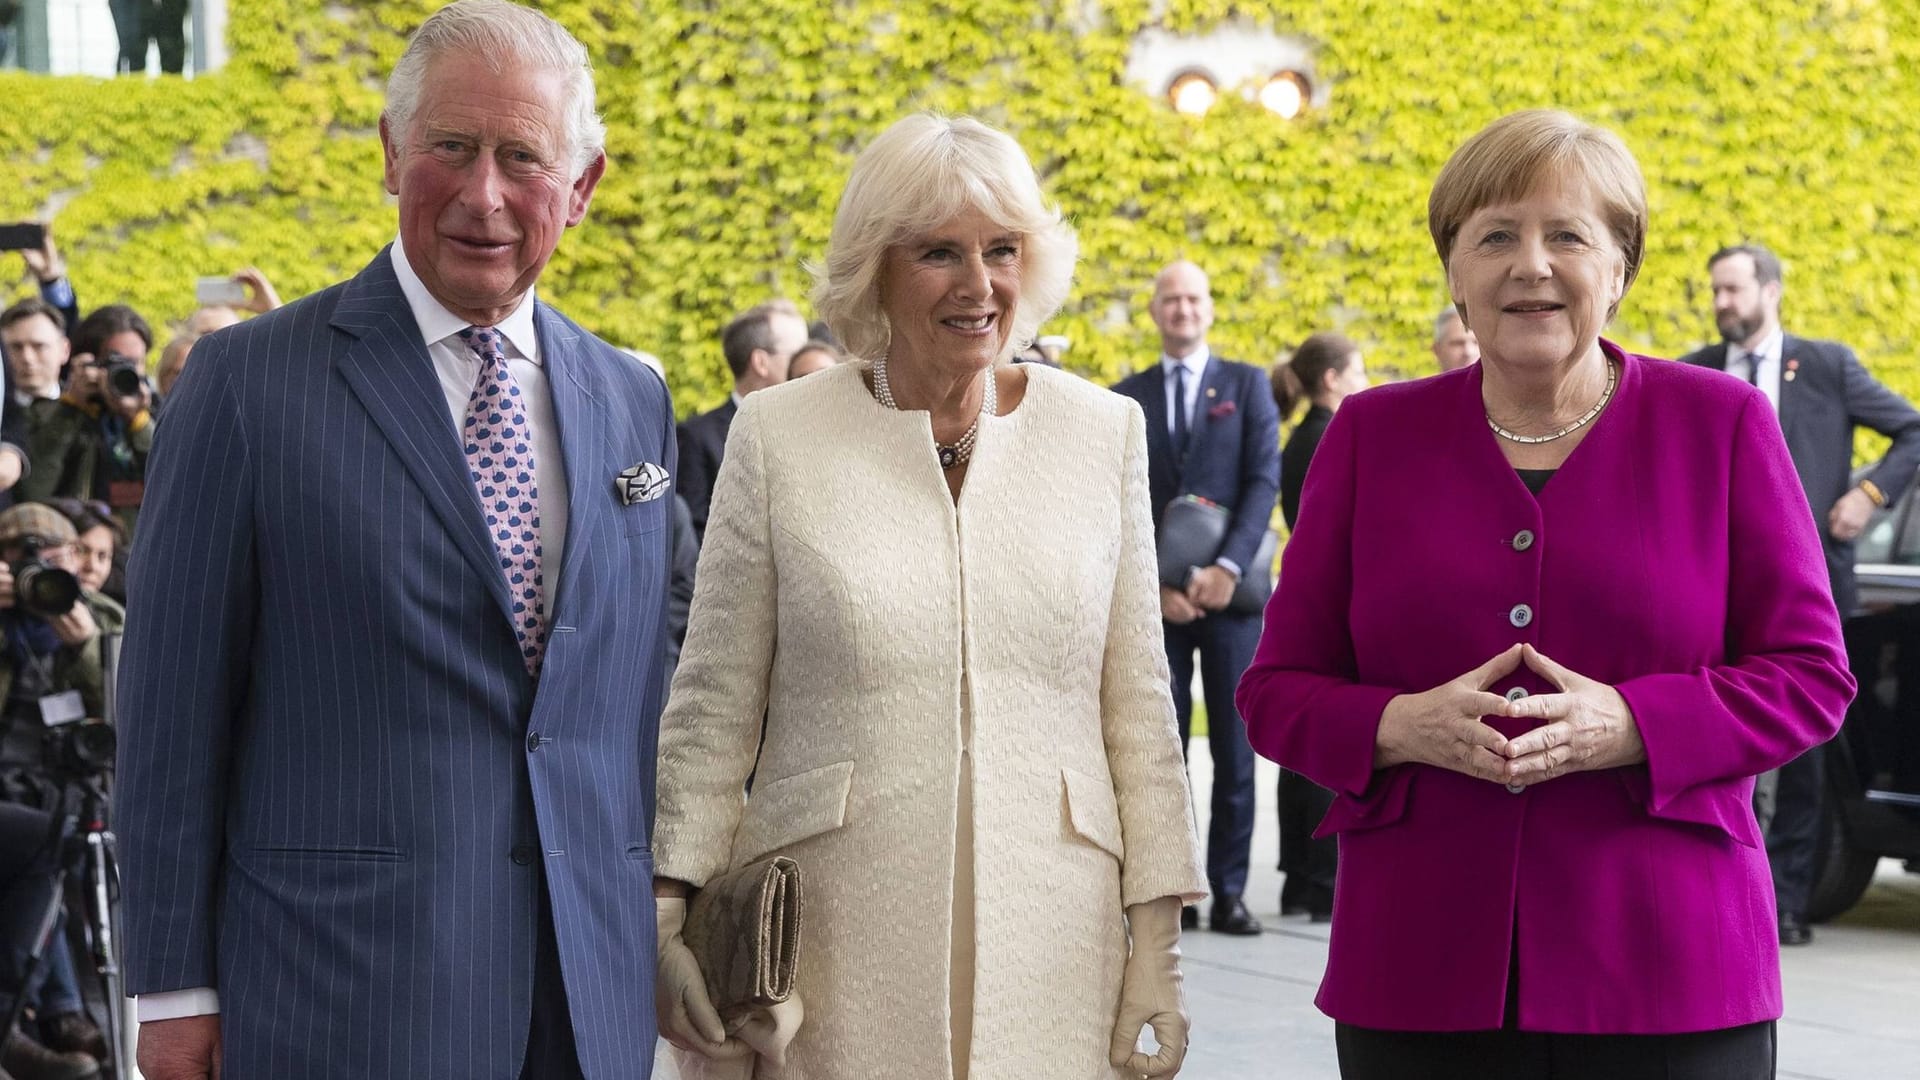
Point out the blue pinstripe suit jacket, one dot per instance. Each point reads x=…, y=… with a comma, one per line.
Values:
x=332, y=804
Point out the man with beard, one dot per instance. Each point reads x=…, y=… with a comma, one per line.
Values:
x=1821, y=392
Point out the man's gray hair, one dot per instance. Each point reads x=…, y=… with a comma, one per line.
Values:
x=1447, y=314
x=500, y=35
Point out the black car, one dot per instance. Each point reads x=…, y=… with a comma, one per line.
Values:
x=1873, y=767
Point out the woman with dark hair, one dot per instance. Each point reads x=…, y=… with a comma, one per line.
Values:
x=1322, y=372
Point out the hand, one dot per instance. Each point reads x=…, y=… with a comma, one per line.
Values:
x=88, y=380
x=1150, y=992
x=12, y=464
x=76, y=627
x=1591, y=727
x=1848, y=518
x=45, y=261
x=687, y=1017
x=184, y=1049
x=128, y=406
x=1175, y=607
x=1210, y=588
x=6, y=586
x=260, y=295
x=1442, y=726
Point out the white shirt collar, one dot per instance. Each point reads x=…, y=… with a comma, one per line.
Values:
x=1195, y=362
x=1769, y=347
x=437, y=323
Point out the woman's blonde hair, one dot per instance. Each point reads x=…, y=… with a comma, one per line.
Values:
x=1523, y=152
x=918, y=175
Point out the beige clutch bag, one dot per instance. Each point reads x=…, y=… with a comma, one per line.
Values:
x=744, y=929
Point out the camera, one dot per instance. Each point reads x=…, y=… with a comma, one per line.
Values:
x=81, y=748
x=123, y=376
x=41, y=589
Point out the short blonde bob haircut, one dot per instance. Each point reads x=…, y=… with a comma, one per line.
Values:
x=1524, y=152
x=918, y=175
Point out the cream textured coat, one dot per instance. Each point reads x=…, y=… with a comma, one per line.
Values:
x=845, y=595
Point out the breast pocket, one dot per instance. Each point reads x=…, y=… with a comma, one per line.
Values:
x=640, y=518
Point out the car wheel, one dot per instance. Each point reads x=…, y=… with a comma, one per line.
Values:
x=1843, y=871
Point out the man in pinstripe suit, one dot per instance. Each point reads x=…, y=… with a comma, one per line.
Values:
x=394, y=654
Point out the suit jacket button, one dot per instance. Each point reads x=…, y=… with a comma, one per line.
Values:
x=522, y=854
x=1516, y=693
x=1523, y=540
x=1521, y=615
x=1515, y=789
x=533, y=741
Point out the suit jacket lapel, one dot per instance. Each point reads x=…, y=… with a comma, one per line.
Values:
x=1159, y=441
x=389, y=370
x=1211, y=382
x=1790, y=348
x=577, y=408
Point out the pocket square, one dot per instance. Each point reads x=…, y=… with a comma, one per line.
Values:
x=644, y=482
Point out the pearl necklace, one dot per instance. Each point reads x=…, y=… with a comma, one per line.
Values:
x=1613, y=380
x=951, y=456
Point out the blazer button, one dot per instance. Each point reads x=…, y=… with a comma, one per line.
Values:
x=522, y=854
x=1521, y=615
x=533, y=741
x=1523, y=540
x=1515, y=789
x=1516, y=693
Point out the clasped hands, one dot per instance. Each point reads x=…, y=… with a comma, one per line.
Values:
x=1588, y=725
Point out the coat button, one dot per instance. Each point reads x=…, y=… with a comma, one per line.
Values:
x=522, y=854
x=1520, y=616
x=533, y=741
x=1515, y=789
x=1523, y=540
x=1516, y=693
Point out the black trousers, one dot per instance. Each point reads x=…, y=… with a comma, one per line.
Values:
x=551, y=1054
x=1794, y=833
x=1309, y=865
x=1226, y=644
x=1741, y=1053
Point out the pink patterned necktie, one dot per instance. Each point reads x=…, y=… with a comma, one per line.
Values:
x=499, y=447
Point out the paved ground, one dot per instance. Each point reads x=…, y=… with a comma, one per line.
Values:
x=1853, y=997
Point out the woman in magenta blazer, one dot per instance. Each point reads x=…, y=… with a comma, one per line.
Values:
x=1541, y=622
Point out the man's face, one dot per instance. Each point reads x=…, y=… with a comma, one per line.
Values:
x=1182, y=308
x=789, y=334
x=1742, y=307
x=58, y=556
x=484, y=176
x=37, y=350
x=1456, y=347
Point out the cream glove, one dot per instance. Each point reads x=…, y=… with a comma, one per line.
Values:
x=1150, y=992
x=687, y=1018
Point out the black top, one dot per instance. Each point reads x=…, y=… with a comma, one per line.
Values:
x=1535, y=479
x=1298, y=455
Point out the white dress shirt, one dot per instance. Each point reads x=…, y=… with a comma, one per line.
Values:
x=1740, y=362
x=1196, y=364
x=459, y=371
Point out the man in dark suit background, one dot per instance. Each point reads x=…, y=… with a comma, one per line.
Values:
x=1212, y=431
x=393, y=664
x=1821, y=392
x=758, y=344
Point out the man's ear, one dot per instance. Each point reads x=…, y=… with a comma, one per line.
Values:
x=390, y=156
x=583, y=187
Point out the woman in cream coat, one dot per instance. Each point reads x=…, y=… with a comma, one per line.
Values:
x=932, y=573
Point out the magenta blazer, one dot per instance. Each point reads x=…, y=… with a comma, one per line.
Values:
x=1671, y=556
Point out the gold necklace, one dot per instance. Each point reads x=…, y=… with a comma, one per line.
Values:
x=1613, y=380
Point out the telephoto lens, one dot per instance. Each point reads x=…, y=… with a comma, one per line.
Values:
x=123, y=377
x=47, y=592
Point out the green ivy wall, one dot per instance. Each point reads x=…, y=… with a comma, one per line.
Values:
x=733, y=123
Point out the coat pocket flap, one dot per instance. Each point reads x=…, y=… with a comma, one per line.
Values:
x=1725, y=805
x=1092, y=811
x=1384, y=803
x=783, y=812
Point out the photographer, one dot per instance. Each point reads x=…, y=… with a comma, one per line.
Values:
x=109, y=388
x=51, y=671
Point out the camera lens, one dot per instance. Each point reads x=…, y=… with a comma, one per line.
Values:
x=123, y=381
x=45, y=591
